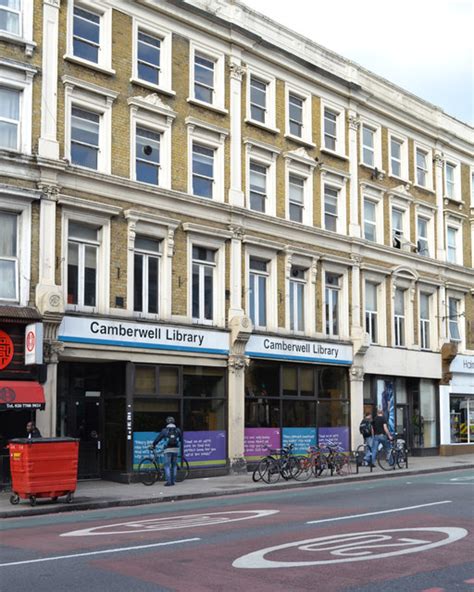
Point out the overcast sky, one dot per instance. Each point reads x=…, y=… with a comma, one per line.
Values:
x=424, y=46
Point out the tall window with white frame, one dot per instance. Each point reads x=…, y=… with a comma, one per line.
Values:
x=258, y=278
x=296, y=186
x=368, y=145
x=331, y=302
x=330, y=207
x=9, y=261
x=258, y=99
x=86, y=34
x=297, y=289
x=85, y=134
x=204, y=78
x=421, y=167
x=9, y=118
x=399, y=317
x=371, y=311
x=147, y=155
x=451, y=241
x=295, y=115
x=258, y=183
x=425, y=320
x=10, y=16
x=146, y=275
x=330, y=129
x=397, y=228
x=453, y=319
x=370, y=220
x=422, y=240
x=148, y=57
x=82, y=263
x=396, y=156
x=450, y=183
x=202, y=297
x=203, y=170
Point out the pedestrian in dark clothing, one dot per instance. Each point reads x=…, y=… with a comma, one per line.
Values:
x=171, y=437
x=381, y=434
x=32, y=431
x=367, y=431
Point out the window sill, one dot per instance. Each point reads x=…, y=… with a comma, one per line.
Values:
x=301, y=141
x=29, y=45
x=453, y=201
x=165, y=91
x=91, y=65
x=423, y=188
x=335, y=154
x=267, y=128
x=215, y=108
x=372, y=168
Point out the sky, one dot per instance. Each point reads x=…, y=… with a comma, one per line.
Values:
x=423, y=46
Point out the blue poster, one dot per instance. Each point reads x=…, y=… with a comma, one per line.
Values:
x=141, y=441
x=386, y=400
x=301, y=438
x=335, y=438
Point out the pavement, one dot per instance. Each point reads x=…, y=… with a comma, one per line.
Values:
x=98, y=494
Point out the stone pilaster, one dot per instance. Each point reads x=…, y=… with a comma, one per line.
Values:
x=356, y=378
x=353, y=123
x=438, y=161
x=235, y=309
x=237, y=71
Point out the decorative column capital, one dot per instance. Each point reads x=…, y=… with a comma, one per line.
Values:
x=237, y=363
x=357, y=374
x=438, y=159
x=353, y=122
x=52, y=351
x=237, y=71
x=356, y=259
x=238, y=232
x=49, y=192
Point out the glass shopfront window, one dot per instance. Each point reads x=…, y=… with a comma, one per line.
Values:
x=461, y=415
x=303, y=404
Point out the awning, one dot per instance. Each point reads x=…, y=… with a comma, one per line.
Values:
x=21, y=394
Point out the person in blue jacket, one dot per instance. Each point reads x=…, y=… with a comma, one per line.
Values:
x=171, y=436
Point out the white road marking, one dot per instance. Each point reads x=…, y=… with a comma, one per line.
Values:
x=349, y=547
x=89, y=553
x=171, y=523
x=469, y=478
x=376, y=513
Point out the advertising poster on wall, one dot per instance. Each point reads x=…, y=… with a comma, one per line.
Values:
x=205, y=449
x=301, y=438
x=386, y=400
x=257, y=439
x=141, y=441
x=334, y=437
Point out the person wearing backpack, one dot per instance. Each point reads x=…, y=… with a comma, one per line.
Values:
x=171, y=437
x=366, y=429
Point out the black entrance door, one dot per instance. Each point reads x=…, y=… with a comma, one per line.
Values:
x=89, y=422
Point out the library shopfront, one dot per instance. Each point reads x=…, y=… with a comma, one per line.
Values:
x=119, y=380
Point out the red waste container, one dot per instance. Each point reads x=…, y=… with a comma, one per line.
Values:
x=43, y=467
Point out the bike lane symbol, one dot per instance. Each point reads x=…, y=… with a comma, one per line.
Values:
x=350, y=547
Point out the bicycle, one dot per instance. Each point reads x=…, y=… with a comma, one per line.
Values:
x=279, y=462
x=336, y=461
x=314, y=464
x=151, y=470
x=396, y=455
x=362, y=452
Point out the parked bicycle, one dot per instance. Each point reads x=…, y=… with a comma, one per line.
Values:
x=336, y=461
x=151, y=469
x=363, y=452
x=395, y=455
x=279, y=462
x=315, y=464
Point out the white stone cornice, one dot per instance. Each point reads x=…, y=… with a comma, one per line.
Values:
x=138, y=215
x=251, y=143
x=87, y=204
x=193, y=123
x=301, y=155
x=19, y=193
x=28, y=69
x=327, y=170
x=153, y=102
x=402, y=192
x=262, y=242
x=218, y=233
x=70, y=82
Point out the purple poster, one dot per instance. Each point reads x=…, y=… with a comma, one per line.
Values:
x=334, y=437
x=205, y=449
x=257, y=439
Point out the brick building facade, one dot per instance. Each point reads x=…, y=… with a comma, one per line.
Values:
x=217, y=219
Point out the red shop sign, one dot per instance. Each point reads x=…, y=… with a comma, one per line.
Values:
x=6, y=349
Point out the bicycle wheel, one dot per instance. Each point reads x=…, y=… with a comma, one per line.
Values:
x=342, y=465
x=360, y=455
x=386, y=459
x=183, y=470
x=321, y=467
x=147, y=471
x=270, y=470
x=291, y=468
x=261, y=469
x=402, y=458
x=305, y=468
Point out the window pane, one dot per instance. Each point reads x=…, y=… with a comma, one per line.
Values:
x=72, y=273
x=90, y=275
x=399, y=302
x=424, y=306
x=370, y=297
x=85, y=126
x=147, y=244
x=10, y=21
x=82, y=231
x=290, y=381
x=8, y=279
x=8, y=234
x=195, y=292
x=145, y=380
x=138, y=283
x=208, y=293
x=148, y=58
x=262, y=301
x=8, y=135
x=153, y=263
x=9, y=103
x=168, y=381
